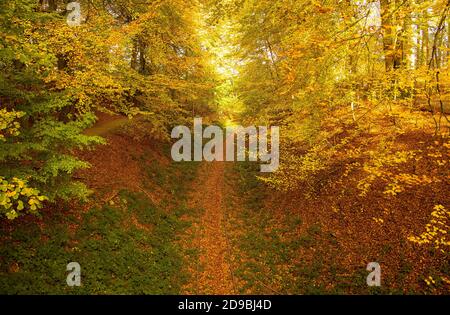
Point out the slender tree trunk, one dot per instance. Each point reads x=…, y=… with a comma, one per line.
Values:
x=134, y=55
x=407, y=39
x=426, y=37
x=448, y=43
x=142, y=59
x=387, y=25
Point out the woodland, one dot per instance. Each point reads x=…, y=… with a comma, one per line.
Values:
x=359, y=89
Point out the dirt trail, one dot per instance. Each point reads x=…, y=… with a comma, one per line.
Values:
x=106, y=123
x=213, y=274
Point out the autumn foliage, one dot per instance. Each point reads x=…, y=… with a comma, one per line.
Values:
x=359, y=89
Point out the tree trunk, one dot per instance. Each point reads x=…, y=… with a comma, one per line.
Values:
x=387, y=25
x=134, y=55
x=142, y=59
x=407, y=39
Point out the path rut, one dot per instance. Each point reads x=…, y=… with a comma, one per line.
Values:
x=213, y=274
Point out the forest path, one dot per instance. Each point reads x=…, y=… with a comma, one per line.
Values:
x=106, y=123
x=213, y=273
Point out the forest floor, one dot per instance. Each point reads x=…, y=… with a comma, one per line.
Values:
x=155, y=226
x=212, y=274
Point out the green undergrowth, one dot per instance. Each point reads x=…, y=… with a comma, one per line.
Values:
x=128, y=246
